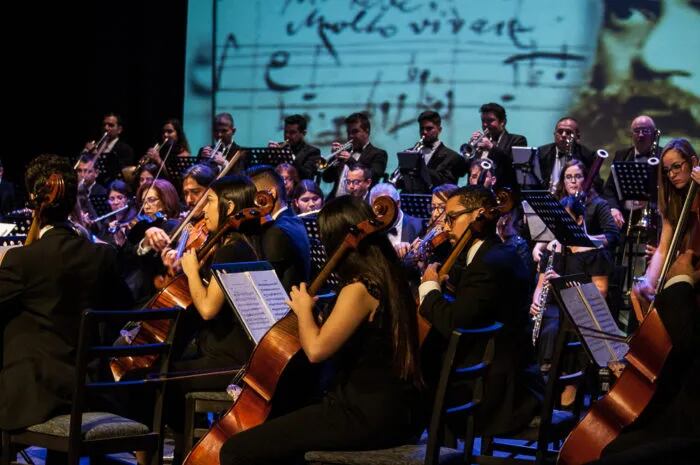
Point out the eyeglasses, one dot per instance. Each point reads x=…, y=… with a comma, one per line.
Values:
x=643, y=131
x=353, y=182
x=452, y=217
x=440, y=209
x=151, y=200
x=573, y=177
x=674, y=168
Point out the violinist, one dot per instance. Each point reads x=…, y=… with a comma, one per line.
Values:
x=44, y=288
x=118, y=198
x=484, y=268
x=371, y=334
x=678, y=168
x=285, y=243
x=220, y=341
x=406, y=228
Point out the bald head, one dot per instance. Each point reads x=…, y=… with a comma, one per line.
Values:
x=643, y=133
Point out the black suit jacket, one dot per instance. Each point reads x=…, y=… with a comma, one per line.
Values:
x=113, y=161
x=411, y=227
x=44, y=287
x=306, y=159
x=285, y=244
x=513, y=383
x=502, y=155
x=371, y=157
x=548, y=156
x=7, y=197
x=445, y=166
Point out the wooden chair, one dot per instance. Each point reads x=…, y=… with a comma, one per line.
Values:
x=90, y=433
x=432, y=453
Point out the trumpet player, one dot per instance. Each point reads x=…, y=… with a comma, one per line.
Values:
x=217, y=155
x=437, y=164
x=566, y=146
x=306, y=156
x=498, y=144
x=362, y=151
x=113, y=152
x=171, y=133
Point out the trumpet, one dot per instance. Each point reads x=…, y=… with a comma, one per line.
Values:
x=332, y=160
x=469, y=150
x=396, y=175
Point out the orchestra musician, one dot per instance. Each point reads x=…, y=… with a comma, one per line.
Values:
x=358, y=128
x=224, y=129
x=406, y=228
x=567, y=145
x=373, y=398
x=597, y=263
x=115, y=153
x=220, y=341
x=285, y=243
x=498, y=145
x=306, y=156
x=643, y=132
x=172, y=133
x=482, y=173
x=119, y=197
x=483, y=269
x=437, y=165
x=44, y=288
x=358, y=180
x=678, y=168
x=289, y=176
x=307, y=197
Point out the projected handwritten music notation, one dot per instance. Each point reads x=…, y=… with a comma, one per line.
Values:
x=386, y=58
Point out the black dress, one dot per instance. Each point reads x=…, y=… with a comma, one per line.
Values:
x=366, y=407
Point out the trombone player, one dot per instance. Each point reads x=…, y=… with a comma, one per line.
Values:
x=437, y=163
x=361, y=151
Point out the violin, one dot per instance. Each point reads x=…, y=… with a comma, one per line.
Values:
x=136, y=228
x=176, y=293
x=423, y=250
x=277, y=349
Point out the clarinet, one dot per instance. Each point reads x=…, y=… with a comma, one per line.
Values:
x=542, y=302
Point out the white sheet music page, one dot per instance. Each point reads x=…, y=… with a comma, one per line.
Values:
x=271, y=292
x=248, y=303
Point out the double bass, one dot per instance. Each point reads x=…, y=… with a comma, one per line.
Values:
x=276, y=351
x=176, y=293
x=629, y=397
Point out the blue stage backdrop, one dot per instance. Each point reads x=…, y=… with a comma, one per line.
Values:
x=603, y=62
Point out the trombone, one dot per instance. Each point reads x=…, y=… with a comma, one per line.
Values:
x=332, y=159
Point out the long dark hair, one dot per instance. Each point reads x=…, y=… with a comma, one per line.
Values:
x=241, y=191
x=670, y=198
x=376, y=261
x=181, y=137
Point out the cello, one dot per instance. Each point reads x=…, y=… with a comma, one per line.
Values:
x=277, y=349
x=176, y=293
x=629, y=397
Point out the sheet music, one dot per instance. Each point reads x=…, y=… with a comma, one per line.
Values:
x=591, y=314
x=258, y=297
x=6, y=229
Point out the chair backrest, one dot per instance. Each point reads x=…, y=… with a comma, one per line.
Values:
x=87, y=353
x=451, y=374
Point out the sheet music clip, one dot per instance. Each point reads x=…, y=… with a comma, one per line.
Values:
x=634, y=180
x=526, y=163
x=557, y=222
x=272, y=156
x=590, y=316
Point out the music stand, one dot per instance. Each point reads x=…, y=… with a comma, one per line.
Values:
x=408, y=160
x=22, y=220
x=526, y=163
x=8, y=241
x=418, y=205
x=178, y=165
x=272, y=156
x=100, y=204
x=632, y=180
x=318, y=252
x=589, y=314
x=556, y=219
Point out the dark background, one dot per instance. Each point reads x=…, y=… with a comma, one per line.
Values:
x=67, y=67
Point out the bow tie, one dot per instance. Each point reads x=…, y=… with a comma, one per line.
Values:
x=393, y=231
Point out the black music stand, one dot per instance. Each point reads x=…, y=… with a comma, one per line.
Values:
x=178, y=165
x=590, y=316
x=418, y=205
x=556, y=219
x=6, y=241
x=409, y=160
x=526, y=163
x=272, y=156
x=100, y=204
x=318, y=253
x=22, y=220
x=632, y=180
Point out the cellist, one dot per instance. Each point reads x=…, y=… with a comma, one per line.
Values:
x=371, y=334
x=220, y=340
